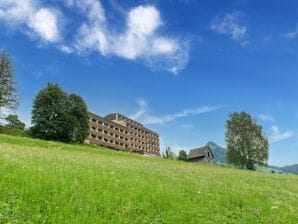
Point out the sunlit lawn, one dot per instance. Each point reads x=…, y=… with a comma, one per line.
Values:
x=47, y=182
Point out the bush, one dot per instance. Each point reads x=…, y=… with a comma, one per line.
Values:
x=14, y=131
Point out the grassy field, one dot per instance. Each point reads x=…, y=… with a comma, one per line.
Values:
x=47, y=182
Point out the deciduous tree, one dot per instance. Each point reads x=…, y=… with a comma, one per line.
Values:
x=8, y=97
x=14, y=122
x=247, y=145
x=182, y=155
x=169, y=154
x=79, y=114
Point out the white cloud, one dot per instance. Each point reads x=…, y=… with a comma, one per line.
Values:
x=37, y=20
x=266, y=117
x=230, y=24
x=139, y=40
x=145, y=117
x=4, y=112
x=277, y=135
x=291, y=35
x=142, y=109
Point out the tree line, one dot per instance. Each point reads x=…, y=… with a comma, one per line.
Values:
x=60, y=116
x=56, y=115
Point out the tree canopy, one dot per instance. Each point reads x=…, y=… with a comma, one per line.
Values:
x=182, y=155
x=59, y=116
x=245, y=140
x=169, y=154
x=8, y=97
x=14, y=122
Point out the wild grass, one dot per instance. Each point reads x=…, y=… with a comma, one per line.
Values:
x=47, y=182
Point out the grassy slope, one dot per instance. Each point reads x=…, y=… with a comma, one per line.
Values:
x=46, y=182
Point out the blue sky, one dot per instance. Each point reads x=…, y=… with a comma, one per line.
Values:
x=179, y=66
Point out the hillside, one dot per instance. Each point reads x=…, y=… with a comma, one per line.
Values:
x=47, y=182
x=290, y=169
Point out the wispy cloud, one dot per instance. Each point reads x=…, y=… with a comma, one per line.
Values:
x=231, y=24
x=278, y=135
x=292, y=34
x=146, y=118
x=142, y=109
x=139, y=40
x=187, y=126
x=266, y=117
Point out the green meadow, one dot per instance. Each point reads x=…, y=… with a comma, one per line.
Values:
x=48, y=182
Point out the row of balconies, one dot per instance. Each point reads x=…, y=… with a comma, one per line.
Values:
x=107, y=135
x=115, y=137
x=113, y=134
x=106, y=141
x=96, y=122
x=142, y=131
x=107, y=131
x=116, y=128
x=103, y=141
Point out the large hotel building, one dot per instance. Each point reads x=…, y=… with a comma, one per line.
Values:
x=119, y=132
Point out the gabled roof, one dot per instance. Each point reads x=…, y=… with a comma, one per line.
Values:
x=199, y=152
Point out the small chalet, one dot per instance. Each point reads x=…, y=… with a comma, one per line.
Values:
x=200, y=155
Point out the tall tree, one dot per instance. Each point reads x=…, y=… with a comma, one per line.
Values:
x=79, y=113
x=8, y=97
x=245, y=140
x=14, y=122
x=182, y=155
x=169, y=154
x=59, y=116
x=51, y=118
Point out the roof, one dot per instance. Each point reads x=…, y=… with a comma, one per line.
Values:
x=110, y=117
x=199, y=152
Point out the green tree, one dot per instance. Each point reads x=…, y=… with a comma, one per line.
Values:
x=14, y=122
x=51, y=118
x=169, y=154
x=7, y=84
x=245, y=140
x=182, y=155
x=79, y=113
x=59, y=116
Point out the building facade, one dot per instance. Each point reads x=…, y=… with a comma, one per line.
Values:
x=119, y=132
x=201, y=155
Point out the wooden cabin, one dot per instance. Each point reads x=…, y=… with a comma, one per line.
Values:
x=201, y=155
